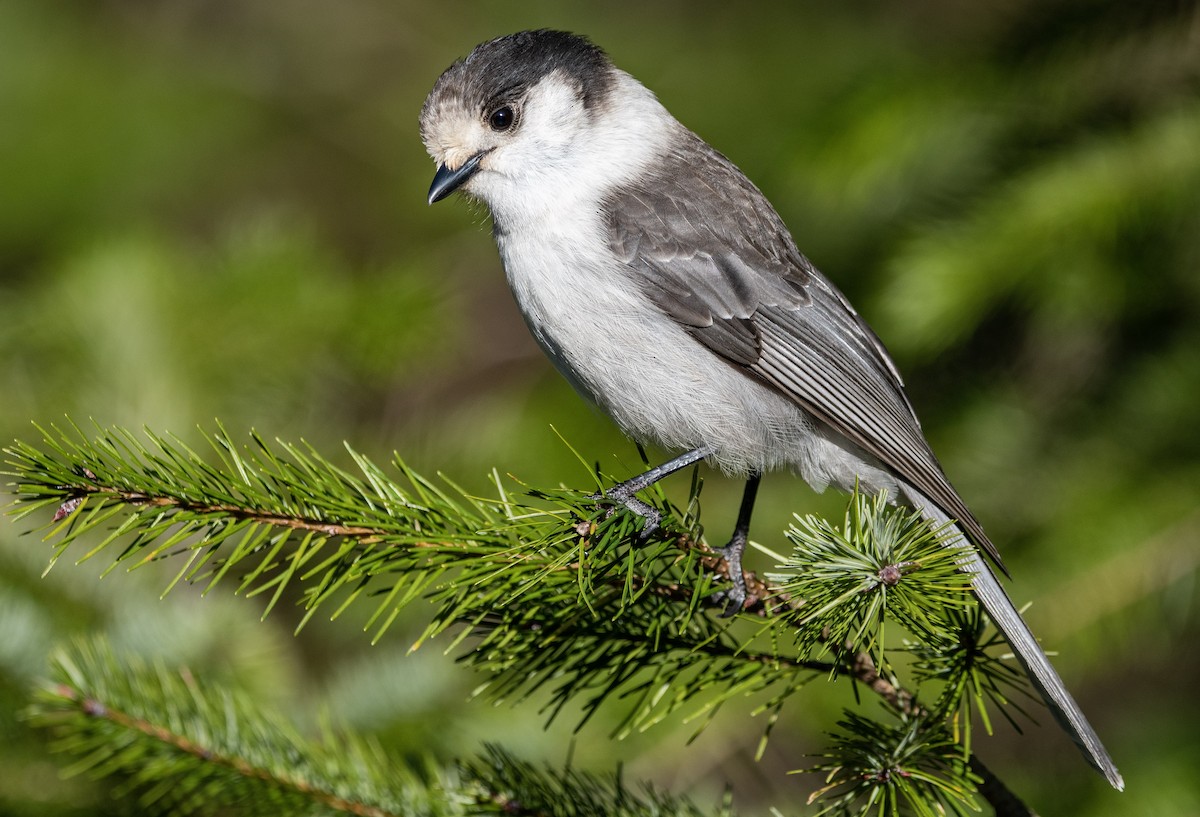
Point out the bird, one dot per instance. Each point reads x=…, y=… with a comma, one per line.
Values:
x=666, y=289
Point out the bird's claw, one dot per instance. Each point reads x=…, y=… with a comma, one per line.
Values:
x=651, y=516
x=735, y=597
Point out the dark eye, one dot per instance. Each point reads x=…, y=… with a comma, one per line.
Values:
x=502, y=118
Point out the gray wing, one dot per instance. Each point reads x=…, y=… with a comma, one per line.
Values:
x=713, y=255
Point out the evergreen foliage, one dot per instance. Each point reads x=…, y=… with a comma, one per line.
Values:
x=905, y=768
x=216, y=209
x=876, y=566
x=542, y=590
x=184, y=746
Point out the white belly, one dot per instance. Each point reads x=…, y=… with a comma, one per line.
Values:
x=658, y=383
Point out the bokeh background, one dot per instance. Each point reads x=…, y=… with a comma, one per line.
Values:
x=216, y=209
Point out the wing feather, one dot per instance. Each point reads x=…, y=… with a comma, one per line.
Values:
x=713, y=255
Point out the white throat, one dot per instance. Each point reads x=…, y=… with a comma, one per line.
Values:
x=572, y=158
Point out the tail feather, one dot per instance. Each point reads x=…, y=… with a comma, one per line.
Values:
x=1007, y=619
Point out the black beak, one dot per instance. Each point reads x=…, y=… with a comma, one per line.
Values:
x=446, y=181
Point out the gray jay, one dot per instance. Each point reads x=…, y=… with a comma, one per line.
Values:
x=666, y=289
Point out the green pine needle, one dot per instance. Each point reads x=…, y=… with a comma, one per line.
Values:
x=883, y=564
x=526, y=790
x=547, y=590
x=963, y=659
x=182, y=745
x=912, y=767
x=549, y=593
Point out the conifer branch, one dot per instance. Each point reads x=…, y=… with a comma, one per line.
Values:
x=546, y=590
x=184, y=745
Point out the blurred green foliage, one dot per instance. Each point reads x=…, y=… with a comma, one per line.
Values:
x=216, y=209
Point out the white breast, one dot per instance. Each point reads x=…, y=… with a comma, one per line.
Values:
x=644, y=370
x=587, y=311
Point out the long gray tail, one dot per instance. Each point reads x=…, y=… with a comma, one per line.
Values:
x=1008, y=621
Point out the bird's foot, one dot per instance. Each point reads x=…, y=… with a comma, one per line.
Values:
x=625, y=493
x=625, y=496
x=734, y=598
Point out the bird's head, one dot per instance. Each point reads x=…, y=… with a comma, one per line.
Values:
x=535, y=119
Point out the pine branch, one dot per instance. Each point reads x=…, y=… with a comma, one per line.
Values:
x=184, y=746
x=518, y=574
x=878, y=566
x=912, y=767
x=546, y=588
x=526, y=790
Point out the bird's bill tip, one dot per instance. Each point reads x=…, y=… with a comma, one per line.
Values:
x=447, y=180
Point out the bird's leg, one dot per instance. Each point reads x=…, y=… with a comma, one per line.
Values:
x=626, y=492
x=732, y=552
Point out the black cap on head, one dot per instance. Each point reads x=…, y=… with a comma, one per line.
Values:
x=506, y=67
